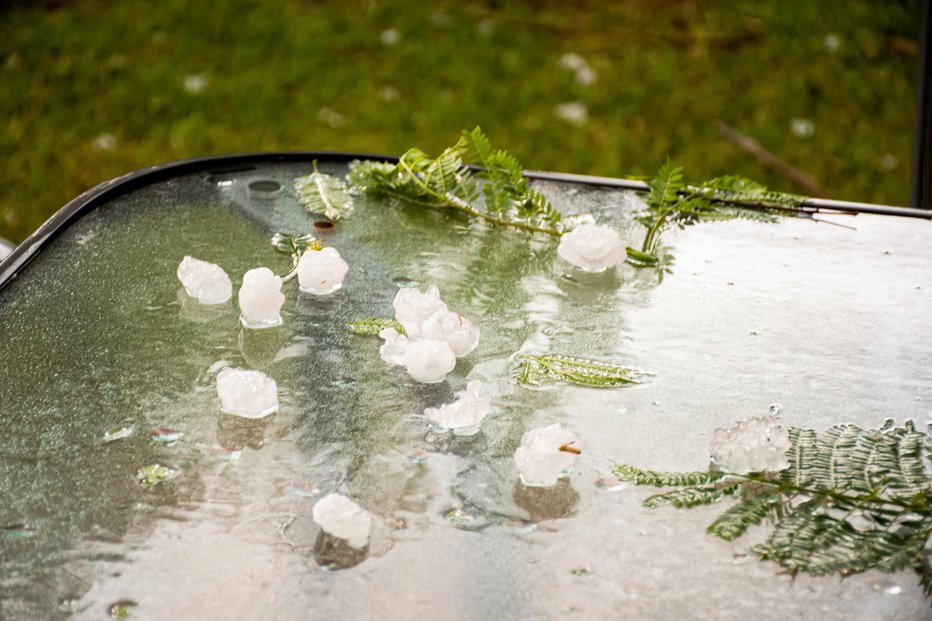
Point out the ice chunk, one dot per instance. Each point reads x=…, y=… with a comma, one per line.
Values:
x=393, y=349
x=339, y=516
x=463, y=416
x=412, y=308
x=752, y=445
x=458, y=332
x=592, y=248
x=545, y=455
x=205, y=282
x=428, y=361
x=261, y=299
x=250, y=394
x=321, y=272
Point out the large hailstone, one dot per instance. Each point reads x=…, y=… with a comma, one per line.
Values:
x=457, y=331
x=321, y=272
x=592, y=248
x=412, y=308
x=752, y=445
x=339, y=516
x=205, y=282
x=261, y=299
x=464, y=416
x=546, y=455
x=250, y=394
x=428, y=361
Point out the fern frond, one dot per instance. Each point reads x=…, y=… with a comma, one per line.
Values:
x=849, y=458
x=372, y=326
x=535, y=370
x=693, y=496
x=665, y=186
x=445, y=182
x=737, y=519
x=852, y=499
x=625, y=472
x=324, y=194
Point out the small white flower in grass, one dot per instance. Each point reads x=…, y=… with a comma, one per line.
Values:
x=574, y=112
x=412, y=308
x=592, y=248
x=457, y=331
x=752, y=445
x=340, y=517
x=393, y=349
x=250, y=394
x=321, y=272
x=205, y=282
x=195, y=83
x=546, y=455
x=428, y=361
x=261, y=299
x=464, y=416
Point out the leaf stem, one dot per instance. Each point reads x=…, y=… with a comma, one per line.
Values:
x=459, y=204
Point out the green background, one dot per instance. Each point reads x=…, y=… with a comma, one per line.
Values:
x=92, y=89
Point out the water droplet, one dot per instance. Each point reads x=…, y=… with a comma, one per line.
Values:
x=776, y=409
x=343, y=382
x=68, y=604
x=609, y=484
x=117, y=433
x=122, y=609
x=579, y=571
x=464, y=521
x=17, y=531
x=404, y=281
x=887, y=587
x=521, y=527
x=164, y=434
x=154, y=474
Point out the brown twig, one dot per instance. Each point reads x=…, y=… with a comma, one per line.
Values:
x=765, y=157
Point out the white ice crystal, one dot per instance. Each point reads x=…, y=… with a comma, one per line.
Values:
x=339, y=516
x=457, y=331
x=205, y=282
x=545, y=455
x=250, y=394
x=592, y=248
x=321, y=271
x=428, y=361
x=752, y=445
x=463, y=416
x=261, y=298
x=394, y=348
x=412, y=308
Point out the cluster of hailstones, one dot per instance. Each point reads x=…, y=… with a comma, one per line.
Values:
x=434, y=337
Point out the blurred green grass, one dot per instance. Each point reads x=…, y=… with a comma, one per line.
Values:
x=92, y=89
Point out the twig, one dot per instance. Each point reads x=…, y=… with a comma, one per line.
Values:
x=765, y=157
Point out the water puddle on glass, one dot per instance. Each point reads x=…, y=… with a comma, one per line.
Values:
x=125, y=491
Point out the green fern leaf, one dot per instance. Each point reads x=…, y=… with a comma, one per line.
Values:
x=665, y=186
x=693, y=496
x=737, y=519
x=372, y=326
x=535, y=370
x=665, y=479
